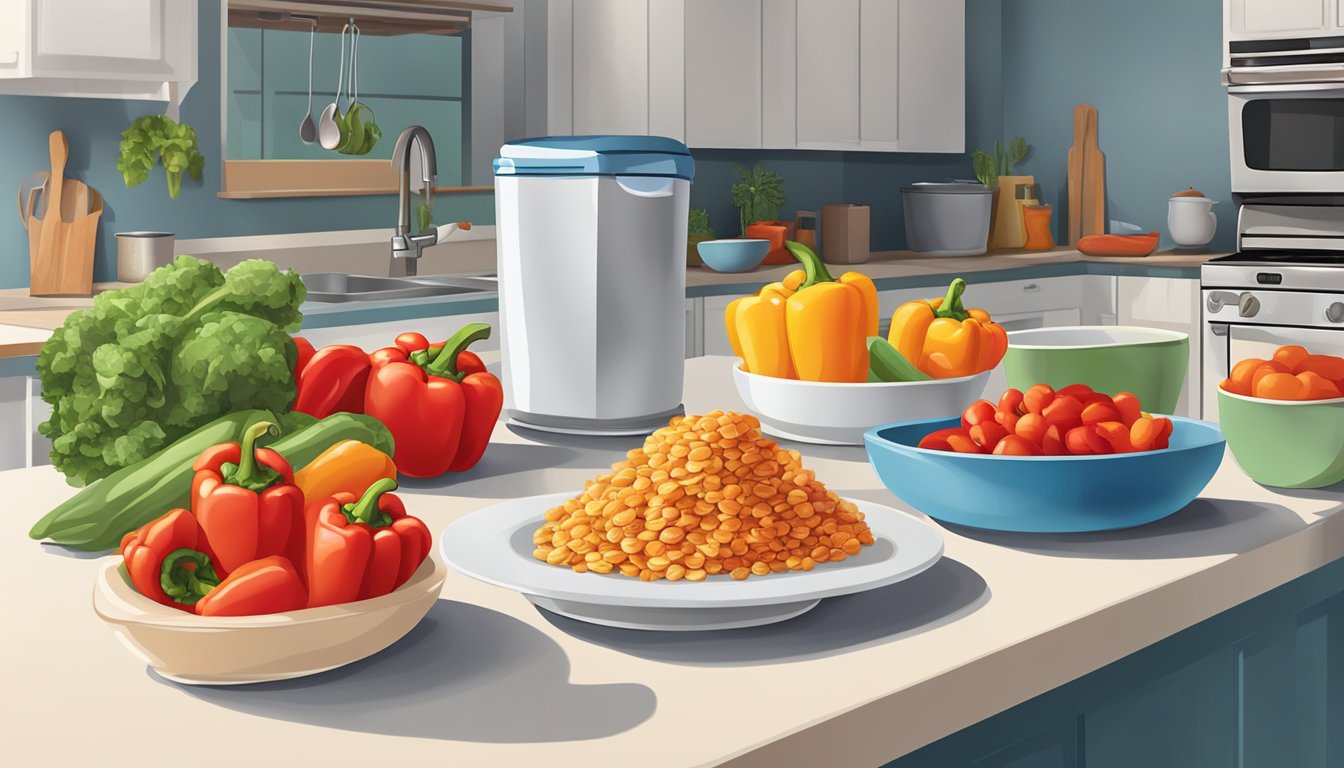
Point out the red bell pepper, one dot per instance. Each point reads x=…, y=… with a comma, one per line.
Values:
x=334, y=381
x=358, y=548
x=440, y=405
x=246, y=501
x=169, y=560
x=268, y=585
x=306, y=352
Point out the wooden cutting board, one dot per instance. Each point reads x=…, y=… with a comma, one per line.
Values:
x=61, y=242
x=1087, y=177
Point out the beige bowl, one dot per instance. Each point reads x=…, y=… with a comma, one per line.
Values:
x=229, y=650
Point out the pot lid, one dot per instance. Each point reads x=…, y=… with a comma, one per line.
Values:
x=948, y=188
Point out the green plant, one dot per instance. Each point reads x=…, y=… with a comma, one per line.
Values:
x=698, y=223
x=158, y=137
x=757, y=193
x=988, y=168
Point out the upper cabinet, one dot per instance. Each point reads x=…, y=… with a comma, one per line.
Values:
x=1251, y=19
x=872, y=75
x=132, y=49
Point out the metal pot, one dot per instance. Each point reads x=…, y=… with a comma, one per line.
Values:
x=139, y=253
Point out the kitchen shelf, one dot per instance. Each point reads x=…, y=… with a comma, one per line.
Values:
x=256, y=179
x=375, y=17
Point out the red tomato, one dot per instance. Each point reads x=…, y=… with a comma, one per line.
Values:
x=1015, y=445
x=1096, y=412
x=1144, y=433
x=1053, y=442
x=1076, y=391
x=1037, y=398
x=1328, y=366
x=987, y=434
x=1291, y=357
x=1316, y=386
x=1032, y=428
x=1085, y=440
x=1011, y=401
x=1117, y=434
x=1065, y=412
x=937, y=441
x=980, y=410
x=1164, y=437
x=962, y=443
x=1008, y=419
x=1127, y=404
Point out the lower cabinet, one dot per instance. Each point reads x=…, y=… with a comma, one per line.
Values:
x=1258, y=686
x=21, y=410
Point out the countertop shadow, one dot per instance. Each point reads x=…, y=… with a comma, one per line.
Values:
x=464, y=673
x=946, y=592
x=1333, y=493
x=1204, y=527
x=507, y=470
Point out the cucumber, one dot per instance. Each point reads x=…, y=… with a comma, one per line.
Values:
x=886, y=363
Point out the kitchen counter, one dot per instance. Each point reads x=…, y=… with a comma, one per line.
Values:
x=488, y=680
x=889, y=270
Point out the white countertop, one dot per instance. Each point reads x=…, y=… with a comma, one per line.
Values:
x=488, y=680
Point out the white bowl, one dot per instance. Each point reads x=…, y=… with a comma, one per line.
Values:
x=228, y=650
x=826, y=413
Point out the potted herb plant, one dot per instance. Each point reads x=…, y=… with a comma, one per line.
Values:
x=758, y=194
x=697, y=231
x=996, y=172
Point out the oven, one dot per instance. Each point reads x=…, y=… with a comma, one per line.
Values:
x=1255, y=302
x=1287, y=138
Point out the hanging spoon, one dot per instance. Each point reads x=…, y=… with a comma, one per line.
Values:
x=308, y=128
x=329, y=125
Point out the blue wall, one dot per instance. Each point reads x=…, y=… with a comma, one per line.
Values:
x=1151, y=69
x=93, y=129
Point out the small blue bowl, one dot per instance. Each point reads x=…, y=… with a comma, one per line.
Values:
x=736, y=255
x=1045, y=494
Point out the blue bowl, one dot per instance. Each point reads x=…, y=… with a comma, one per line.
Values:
x=737, y=255
x=1045, y=494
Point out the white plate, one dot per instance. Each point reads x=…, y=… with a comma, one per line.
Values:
x=495, y=545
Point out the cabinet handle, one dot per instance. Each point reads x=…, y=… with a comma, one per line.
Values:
x=1031, y=288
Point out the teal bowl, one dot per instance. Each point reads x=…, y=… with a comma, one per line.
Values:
x=736, y=255
x=1285, y=443
x=1045, y=494
x=1150, y=362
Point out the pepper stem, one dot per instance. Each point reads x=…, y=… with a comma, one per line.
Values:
x=812, y=264
x=366, y=510
x=952, y=306
x=187, y=576
x=249, y=474
x=444, y=362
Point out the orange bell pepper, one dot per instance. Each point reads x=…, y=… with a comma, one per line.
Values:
x=829, y=321
x=944, y=339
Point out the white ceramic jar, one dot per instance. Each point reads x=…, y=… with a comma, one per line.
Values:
x=1191, y=221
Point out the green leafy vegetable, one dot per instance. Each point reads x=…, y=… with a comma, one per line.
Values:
x=150, y=363
x=158, y=137
x=989, y=167
x=698, y=222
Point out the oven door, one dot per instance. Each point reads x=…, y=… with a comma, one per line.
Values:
x=1287, y=138
x=1226, y=344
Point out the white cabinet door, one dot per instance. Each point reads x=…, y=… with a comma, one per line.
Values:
x=880, y=92
x=1172, y=304
x=931, y=44
x=828, y=74
x=714, y=331
x=129, y=32
x=1337, y=17
x=14, y=432
x=1258, y=18
x=611, y=66
x=667, y=68
x=723, y=73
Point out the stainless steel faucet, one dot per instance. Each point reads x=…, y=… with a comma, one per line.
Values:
x=404, y=244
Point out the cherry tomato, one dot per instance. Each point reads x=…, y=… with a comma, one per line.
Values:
x=1064, y=412
x=980, y=410
x=987, y=434
x=1097, y=412
x=1076, y=391
x=1316, y=386
x=1037, y=398
x=1085, y=440
x=1117, y=434
x=962, y=443
x=1144, y=433
x=937, y=440
x=1164, y=437
x=1053, y=442
x=1279, y=386
x=1011, y=401
x=1032, y=428
x=1127, y=405
x=1008, y=419
x=1328, y=366
x=1242, y=371
x=1015, y=445
x=1291, y=356
x=1263, y=370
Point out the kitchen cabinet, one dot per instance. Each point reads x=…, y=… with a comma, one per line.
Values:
x=828, y=72
x=1172, y=304
x=723, y=73
x=1249, y=19
x=126, y=49
x=715, y=334
x=21, y=410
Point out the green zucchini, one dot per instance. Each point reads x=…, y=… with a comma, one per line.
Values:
x=887, y=364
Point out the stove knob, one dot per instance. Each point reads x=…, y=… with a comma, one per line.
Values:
x=1248, y=305
x=1335, y=312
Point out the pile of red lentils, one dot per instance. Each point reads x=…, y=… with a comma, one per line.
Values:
x=705, y=495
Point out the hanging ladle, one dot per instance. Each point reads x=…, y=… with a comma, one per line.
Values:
x=308, y=128
x=329, y=130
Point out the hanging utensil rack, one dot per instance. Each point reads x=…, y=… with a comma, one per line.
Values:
x=375, y=17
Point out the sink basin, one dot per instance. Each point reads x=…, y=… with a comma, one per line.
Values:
x=338, y=287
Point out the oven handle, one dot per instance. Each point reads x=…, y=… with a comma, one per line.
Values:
x=1219, y=329
x=1286, y=88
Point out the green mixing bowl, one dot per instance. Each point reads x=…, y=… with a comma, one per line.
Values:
x=1285, y=443
x=1149, y=362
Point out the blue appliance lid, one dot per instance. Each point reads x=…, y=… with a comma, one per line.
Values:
x=596, y=156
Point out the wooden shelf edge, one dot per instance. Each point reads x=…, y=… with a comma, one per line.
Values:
x=261, y=194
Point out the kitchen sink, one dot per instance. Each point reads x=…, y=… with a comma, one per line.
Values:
x=340, y=287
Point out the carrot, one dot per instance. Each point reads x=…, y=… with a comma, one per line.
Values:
x=1279, y=386
x=1015, y=445
x=1117, y=434
x=977, y=412
x=987, y=434
x=1037, y=398
x=1127, y=405
x=1097, y=412
x=1328, y=366
x=1291, y=356
x=1031, y=427
x=1316, y=386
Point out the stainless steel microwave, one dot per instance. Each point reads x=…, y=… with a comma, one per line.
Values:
x=1287, y=138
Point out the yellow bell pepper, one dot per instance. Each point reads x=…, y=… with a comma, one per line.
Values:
x=763, y=343
x=944, y=339
x=829, y=321
x=349, y=466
